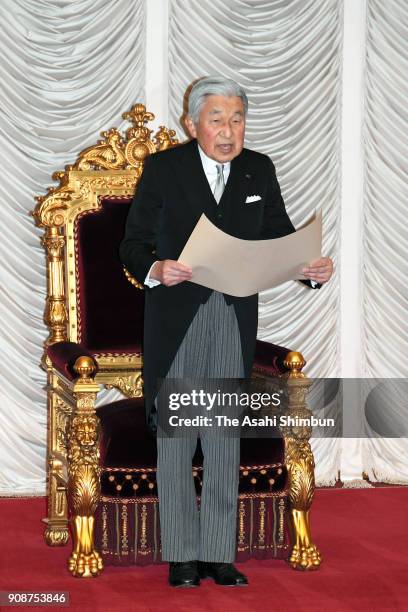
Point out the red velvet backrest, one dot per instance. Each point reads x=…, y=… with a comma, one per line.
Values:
x=110, y=308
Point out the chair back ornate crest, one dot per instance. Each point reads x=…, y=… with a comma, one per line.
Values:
x=90, y=301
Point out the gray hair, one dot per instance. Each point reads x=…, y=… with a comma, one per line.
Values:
x=213, y=86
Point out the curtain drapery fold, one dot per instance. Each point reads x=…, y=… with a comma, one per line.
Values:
x=385, y=245
x=68, y=70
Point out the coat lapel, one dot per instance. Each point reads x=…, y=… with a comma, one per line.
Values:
x=193, y=180
x=237, y=184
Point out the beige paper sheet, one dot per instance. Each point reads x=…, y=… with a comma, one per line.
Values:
x=243, y=267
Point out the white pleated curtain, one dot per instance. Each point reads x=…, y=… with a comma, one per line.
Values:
x=287, y=57
x=385, y=245
x=68, y=70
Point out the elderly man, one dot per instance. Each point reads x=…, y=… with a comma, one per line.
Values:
x=192, y=331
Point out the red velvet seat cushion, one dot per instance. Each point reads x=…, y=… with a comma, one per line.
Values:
x=126, y=441
x=128, y=455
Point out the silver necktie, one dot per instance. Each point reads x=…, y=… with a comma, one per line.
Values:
x=219, y=185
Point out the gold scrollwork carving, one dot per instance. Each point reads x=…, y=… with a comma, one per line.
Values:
x=51, y=209
x=54, y=244
x=56, y=533
x=56, y=536
x=131, y=386
x=107, y=154
x=139, y=143
x=164, y=138
x=56, y=318
x=300, y=465
x=113, y=152
x=94, y=184
x=137, y=149
x=83, y=491
x=62, y=412
x=139, y=117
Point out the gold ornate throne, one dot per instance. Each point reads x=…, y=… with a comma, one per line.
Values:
x=101, y=462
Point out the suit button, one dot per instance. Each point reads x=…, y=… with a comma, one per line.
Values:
x=219, y=215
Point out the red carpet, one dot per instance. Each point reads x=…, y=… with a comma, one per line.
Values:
x=362, y=534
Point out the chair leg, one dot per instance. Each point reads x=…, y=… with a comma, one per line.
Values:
x=84, y=481
x=56, y=532
x=84, y=561
x=300, y=462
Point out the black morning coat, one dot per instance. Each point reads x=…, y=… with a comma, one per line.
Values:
x=172, y=194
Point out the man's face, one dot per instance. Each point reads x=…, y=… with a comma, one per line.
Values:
x=220, y=129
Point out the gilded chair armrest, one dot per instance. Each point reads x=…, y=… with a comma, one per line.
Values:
x=269, y=359
x=63, y=356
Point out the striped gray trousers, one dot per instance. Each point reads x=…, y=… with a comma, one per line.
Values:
x=211, y=348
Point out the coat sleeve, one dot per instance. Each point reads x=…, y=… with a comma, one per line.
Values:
x=276, y=222
x=137, y=249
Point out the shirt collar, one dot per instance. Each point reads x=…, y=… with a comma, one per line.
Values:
x=210, y=165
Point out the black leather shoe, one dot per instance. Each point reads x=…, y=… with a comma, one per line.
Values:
x=222, y=573
x=183, y=574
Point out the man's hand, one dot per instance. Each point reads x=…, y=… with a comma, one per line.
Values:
x=320, y=270
x=171, y=272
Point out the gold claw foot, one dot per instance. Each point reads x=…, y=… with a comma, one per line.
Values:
x=305, y=557
x=85, y=561
x=56, y=536
x=84, y=565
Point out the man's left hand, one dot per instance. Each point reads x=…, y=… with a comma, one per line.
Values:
x=320, y=270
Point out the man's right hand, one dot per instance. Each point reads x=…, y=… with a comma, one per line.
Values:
x=170, y=272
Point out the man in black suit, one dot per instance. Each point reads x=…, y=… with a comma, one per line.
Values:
x=191, y=330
